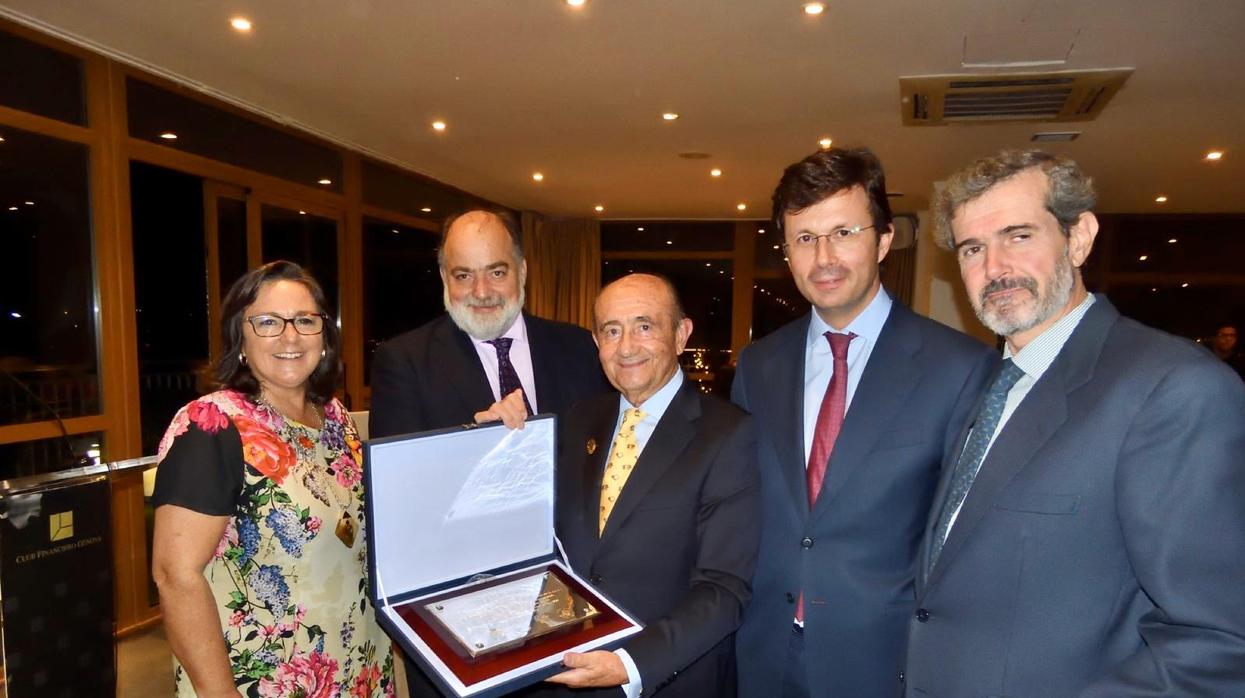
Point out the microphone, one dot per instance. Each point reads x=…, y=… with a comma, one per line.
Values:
x=73, y=459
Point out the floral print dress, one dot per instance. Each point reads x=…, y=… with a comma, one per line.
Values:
x=292, y=596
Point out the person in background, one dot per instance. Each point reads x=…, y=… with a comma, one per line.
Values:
x=1088, y=538
x=1225, y=347
x=855, y=403
x=259, y=549
x=484, y=350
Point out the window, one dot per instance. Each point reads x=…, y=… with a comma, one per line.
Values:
x=47, y=293
x=401, y=283
x=40, y=456
x=419, y=197
x=202, y=129
x=170, y=293
x=41, y=80
x=307, y=239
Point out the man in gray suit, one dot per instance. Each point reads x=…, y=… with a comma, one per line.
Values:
x=1088, y=535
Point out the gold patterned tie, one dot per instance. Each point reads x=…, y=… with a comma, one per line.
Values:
x=623, y=455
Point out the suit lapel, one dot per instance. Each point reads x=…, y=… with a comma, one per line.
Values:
x=1034, y=422
x=463, y=368
x=889, y=378
x=783, y=377
x=673, y=433
x=544, y=365
x=601, y=432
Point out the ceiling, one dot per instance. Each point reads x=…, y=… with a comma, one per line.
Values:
x=577, y=94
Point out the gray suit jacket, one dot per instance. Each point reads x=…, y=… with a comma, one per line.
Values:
x=1101, y=549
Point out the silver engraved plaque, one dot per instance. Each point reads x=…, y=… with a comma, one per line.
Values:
x=508, y=614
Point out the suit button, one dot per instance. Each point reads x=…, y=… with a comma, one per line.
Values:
x=595, y=579
x=806, y=543
x=790, y=597
x=922, y=615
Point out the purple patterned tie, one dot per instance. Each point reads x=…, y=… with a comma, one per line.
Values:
x=507, y=377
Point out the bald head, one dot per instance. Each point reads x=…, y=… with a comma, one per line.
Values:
x=640, y=332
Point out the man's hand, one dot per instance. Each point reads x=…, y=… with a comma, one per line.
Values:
x=511, y=410
x=599, y=669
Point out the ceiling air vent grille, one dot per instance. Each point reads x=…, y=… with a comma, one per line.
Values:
x=1064, y=96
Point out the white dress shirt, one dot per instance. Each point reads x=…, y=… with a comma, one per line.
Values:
x=1034, y=358
x=819, y=360
x=520, y=358
x=654, y=407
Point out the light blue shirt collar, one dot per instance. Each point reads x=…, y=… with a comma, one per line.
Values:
x=1037, y=356
x=867, y=325
x=653, y=409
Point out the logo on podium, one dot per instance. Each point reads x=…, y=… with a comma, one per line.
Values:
x=60, y=526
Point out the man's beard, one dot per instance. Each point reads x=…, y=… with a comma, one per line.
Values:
x=484, y=328
x=1014, y=317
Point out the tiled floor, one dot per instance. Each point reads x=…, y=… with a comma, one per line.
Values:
x=144, y=665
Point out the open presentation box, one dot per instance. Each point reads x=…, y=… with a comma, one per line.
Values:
x=465, y=573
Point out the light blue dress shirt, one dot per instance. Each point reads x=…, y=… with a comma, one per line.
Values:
x=819, y=360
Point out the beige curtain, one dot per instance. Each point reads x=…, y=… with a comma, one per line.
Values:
x=563, y=267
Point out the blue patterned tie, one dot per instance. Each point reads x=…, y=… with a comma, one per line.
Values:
x=507, y=377
x=974, y=451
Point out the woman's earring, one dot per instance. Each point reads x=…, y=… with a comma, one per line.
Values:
x=242, y=358
x=323, y=353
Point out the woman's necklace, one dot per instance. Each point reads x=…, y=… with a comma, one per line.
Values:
x=317, y=482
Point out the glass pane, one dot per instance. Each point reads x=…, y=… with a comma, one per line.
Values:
x=705, y=289
x=50, y=455
x=1175, y=244
x=230, y=241
x=48, y=82
x=170, y=293
x=632, y=236
x=309, y=240
x=47, y=293
x=401, y=283
x=767, y=248
x=405, y=192
x=1195, y=311
x=775, y=302
x=177, y=121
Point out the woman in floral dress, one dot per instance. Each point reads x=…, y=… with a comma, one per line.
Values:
x=259, y=549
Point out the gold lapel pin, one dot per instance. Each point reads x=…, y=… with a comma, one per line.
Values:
x=592, y=446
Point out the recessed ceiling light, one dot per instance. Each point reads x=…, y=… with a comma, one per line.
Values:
x=169, y=136
x=241, y=24
x=1160, y=199
x=669, y=116
x=741, y=207
x=1, y=139
x=814, y=8
x=1214, y=155
x=395, y=231
x=1144, y=257
x=1171, y=241
x=302, y=213
x=326, y=181
x=438, y=126
x=1184, y=285
x=576, y=3
x=776, y=246
x=12, y=208
x=670, y=242
x=639, y=229
x=598, y=208
x=29, y=203
x=538, y=177
x=708, y=264
x=426, y=209
x=825, y=143
x=715, y=172
x=761, y=231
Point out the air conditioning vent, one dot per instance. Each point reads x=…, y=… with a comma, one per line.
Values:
x=1065, y=96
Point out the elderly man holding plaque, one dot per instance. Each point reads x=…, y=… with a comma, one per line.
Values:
x=657, y=504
